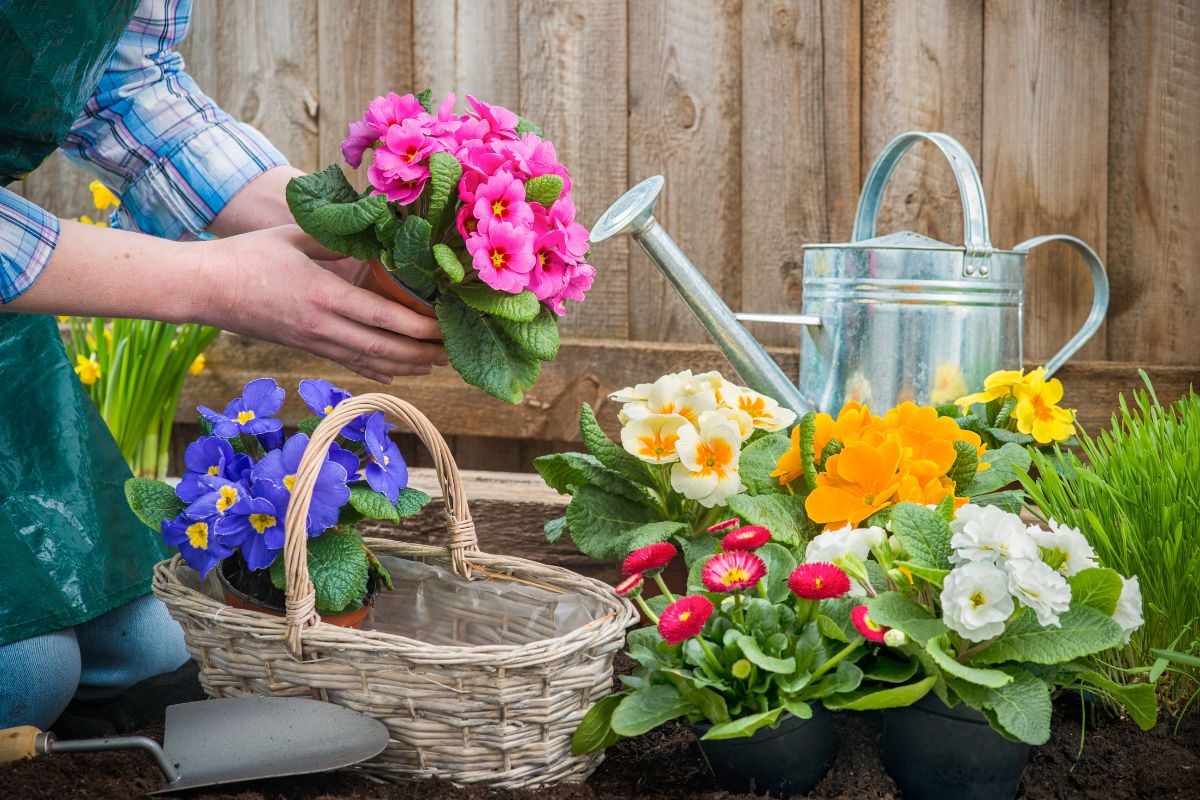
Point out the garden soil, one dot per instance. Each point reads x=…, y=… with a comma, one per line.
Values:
x=1117, y=762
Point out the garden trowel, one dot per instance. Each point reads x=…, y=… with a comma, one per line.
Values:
x=230, y=740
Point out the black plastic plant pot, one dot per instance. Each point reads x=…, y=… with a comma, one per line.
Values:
x=937, y=753
x=791, y=759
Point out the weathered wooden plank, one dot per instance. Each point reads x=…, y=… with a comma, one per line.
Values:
x=364, y=52
x=1154, y=168
x=573, y=75
x=586, y=371
x=923, y=71
x=685, y=123
x=1045, y=153
x=468, y=47
x=794, y=140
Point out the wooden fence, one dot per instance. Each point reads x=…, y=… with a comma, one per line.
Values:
x=764, y=116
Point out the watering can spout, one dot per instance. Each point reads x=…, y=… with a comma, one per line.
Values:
x=633, y=214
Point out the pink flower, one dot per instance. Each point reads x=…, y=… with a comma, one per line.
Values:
x=729, y=572
x=466, y=222
x=870, y=630
x=361, y=136
x=649, y=560
x=502, y=199
x=579, y=280
x=728, y=524
x=818, y=581
x=503, y=256
x=479, y=163
x=405, y=147
x=631, y=586
x=549, y=275
x=444, y=127
x=684, y=618
x=383, y=113
x=501, y=122
x=575, y=236
x=750, y=537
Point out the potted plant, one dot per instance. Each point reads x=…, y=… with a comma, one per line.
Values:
x=469, y=218
x=747, y=657
x=232, y=503
x=693, y=451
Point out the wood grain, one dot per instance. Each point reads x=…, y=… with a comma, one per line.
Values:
x=923, y=71
x=685, y=123
x=468, y=47
x=1045, y=153
x=1154, y=170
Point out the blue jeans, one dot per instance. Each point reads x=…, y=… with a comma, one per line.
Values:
x=97, y=659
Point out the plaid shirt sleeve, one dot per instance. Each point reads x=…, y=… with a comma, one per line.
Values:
x=27, y=238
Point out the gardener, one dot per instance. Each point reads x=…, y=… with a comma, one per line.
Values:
x=101, y=82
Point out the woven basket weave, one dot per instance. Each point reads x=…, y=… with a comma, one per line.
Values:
x=496, y=714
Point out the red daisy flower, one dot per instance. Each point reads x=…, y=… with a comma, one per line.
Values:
x=649, y=560
x=871, y=630
x=684, y=618
x=721, y=527
x=631, y=586
x=751, y=537
x=728, y=572
x=818, y=581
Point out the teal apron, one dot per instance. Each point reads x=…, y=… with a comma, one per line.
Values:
x=70, y=549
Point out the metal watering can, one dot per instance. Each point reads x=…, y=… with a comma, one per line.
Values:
x=885, y=318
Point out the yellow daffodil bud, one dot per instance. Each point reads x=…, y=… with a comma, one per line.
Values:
x=197, y=365
x=102, y=196
x=88, y=369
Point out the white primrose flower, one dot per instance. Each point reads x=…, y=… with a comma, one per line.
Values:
x=975, y=601
x=1065, y=546
x=1129, y=607
x=739, y=419
x=1040, y=588
x=653, y=438
x=707, y=470
x=713, y=382
x=638, y=393
x=671, y=397
x=763, y=411
x=834, y=547
x=988, y=533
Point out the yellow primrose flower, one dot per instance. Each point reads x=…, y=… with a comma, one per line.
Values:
x=1038, y=414
x=197, y=365
x=102, y=196
x=1001, y=383
x=88, y=369
x=653, y=438
x=764, y=412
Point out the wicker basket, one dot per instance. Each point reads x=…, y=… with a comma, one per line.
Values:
x=496, y=714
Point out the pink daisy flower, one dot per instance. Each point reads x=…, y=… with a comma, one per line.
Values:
x=871, y=631
x=750, y=537
x=684, y=618
x=649, y=560
x=727, y=525
x=631, y=586
x=729, y=572
x=818, y=581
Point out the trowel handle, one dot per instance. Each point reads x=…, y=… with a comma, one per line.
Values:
x=17, y=744
x=1099, y=298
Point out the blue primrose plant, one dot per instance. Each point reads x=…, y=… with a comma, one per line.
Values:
x=231, y=504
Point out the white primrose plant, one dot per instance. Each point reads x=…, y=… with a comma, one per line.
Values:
x=677, y=470
x=990, y=612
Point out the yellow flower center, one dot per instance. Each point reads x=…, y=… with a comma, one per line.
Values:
x=328, y=409
x=817, y=582
x=734, y=575
x=386, y=460
x=289, y=481
x=498, y=259
x=714, y=456
x=229, y=496
x=214, y=470
x=197, y=534
x=685, y=616
x=244, y=416
x=657, y=445
x=262, y=521
x=498, y=208
x=977, y=599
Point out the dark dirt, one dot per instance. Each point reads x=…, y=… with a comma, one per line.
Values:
x=1118, y=762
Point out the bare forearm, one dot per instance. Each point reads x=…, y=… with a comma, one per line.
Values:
x=261, y=204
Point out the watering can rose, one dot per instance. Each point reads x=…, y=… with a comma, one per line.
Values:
x=469, y=217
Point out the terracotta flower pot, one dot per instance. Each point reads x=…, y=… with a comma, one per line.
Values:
x=377, y=279
x=238, y=599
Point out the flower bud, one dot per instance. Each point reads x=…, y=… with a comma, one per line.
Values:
x=894, y=638
x=741, y=669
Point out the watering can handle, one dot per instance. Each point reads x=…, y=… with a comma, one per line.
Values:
x=970, y=188
x=1099, y=299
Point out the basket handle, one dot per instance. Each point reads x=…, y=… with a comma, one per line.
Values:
x=301, y=596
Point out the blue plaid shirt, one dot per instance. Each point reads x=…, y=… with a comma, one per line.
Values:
x=172, y=156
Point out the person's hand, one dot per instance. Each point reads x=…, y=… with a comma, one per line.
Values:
x=267, y=284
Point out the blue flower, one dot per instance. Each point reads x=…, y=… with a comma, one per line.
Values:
x=250, y=413
x=386, y=471
x=278, y=468
x=210, y=456
x=197, y=542
x=322, y=397
x=271, y=440
x=220, y=495
x=253, y=525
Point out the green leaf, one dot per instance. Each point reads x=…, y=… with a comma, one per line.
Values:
x=1010, y=500
x=1005, y=436
x=152, y=501
x=521, y=307
x=648, y=534
x=445, y=258
x=992, y=678
x=595, y=729
x=411, y=501
x=387, y=225
x=924, y=534
x=844, y=680
x=555, y=528
x=309, y=198
x=425, y=98
x=337, y=566
x=780, y=564
x=808, y=433
x=1138, y=698
x=782, y=514
x=934, y=576
x=482, y=354
x=412, y=256
x=372, y=504
x=1001, y=472
x=703, y=699
x=543, y=189
x=1084, y=631
x=308, y=425
x=1022, y=708
x=608, y=452
x=797, y=708
x=743, y=726
x=600, y=522
x=646, y=709
x=868, y=700
x=1096, y=587
x=966, y=460
x=525, y=126
x=1005, y=411
x=444, y=174
x=894, y=610
x=538, y=338
x=754, y=654
x=885, y=669
x=566, y=472
x=758, y=461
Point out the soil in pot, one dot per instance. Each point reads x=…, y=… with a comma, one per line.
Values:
x=939, y=753
x=253, y=591
x=788, y=760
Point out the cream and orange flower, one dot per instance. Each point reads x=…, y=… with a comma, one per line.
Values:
x=707, y=470
x=653, y=438
x=764, y=413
